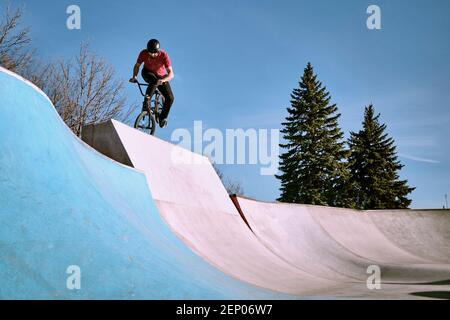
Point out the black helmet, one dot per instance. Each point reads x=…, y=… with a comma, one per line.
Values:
x=153, y=46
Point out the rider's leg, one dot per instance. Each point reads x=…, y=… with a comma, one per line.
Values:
x=166, y=91
x=151, y=79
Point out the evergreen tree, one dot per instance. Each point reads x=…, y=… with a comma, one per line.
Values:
x=374, y=167
x=313, y=168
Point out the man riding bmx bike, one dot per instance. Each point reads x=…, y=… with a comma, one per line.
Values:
x=157, y=72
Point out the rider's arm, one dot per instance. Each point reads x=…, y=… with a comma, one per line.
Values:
x=169, y=75
x=136, y=70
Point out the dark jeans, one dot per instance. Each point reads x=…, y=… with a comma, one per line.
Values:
x=165, y=90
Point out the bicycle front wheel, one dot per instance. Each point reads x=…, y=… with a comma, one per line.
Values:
x=146, y=122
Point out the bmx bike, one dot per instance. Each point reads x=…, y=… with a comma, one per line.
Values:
x=148, y=118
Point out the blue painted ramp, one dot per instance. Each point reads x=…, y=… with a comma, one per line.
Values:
x=64, y=204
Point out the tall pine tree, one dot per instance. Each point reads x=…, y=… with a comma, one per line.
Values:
x=374, y=167
x=313, y=168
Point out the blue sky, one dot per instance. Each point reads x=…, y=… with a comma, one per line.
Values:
x=236, y=63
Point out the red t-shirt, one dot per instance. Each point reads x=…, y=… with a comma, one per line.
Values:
x=156, y=65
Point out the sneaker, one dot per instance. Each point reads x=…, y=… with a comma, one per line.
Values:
x=162, y=123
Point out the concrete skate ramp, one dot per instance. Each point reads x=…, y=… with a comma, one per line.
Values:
x=194, y=203
x=410, y=246
x=64, y=204
x=196, y=206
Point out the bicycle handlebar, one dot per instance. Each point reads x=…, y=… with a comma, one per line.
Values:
x=139, y=85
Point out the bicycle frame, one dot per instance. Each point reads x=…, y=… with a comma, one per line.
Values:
x=152, y=110
x=141, y=84
x=157, y=92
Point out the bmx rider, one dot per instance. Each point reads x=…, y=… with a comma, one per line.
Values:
x=157, y=72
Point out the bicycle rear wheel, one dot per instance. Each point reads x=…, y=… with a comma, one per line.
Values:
x=146, y=122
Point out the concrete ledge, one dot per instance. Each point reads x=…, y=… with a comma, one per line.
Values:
x=103, y=137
